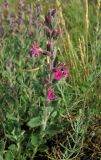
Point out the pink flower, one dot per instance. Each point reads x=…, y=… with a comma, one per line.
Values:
x=61, y=71
x=36, y=50
x=50, y=94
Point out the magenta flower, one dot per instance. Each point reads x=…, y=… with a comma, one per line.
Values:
x=50, y=94
x=36, y=50
x=61, y=71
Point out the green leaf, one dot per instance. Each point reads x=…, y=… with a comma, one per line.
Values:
x=2, y=146
x=43, y=148
x=9, y=156
x=34, y=140
x=10, y=116
x=34, y=122
x=12, y=148
x=54, y=129
x=11, y=137
x=1, y=158
x=54, y=114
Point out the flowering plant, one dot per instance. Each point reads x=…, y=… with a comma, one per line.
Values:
x=55, y=71
x=46, y=110
x=29, y=82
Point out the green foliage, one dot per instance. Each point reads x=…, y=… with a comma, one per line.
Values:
x=34, y=122
x=27, y=122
